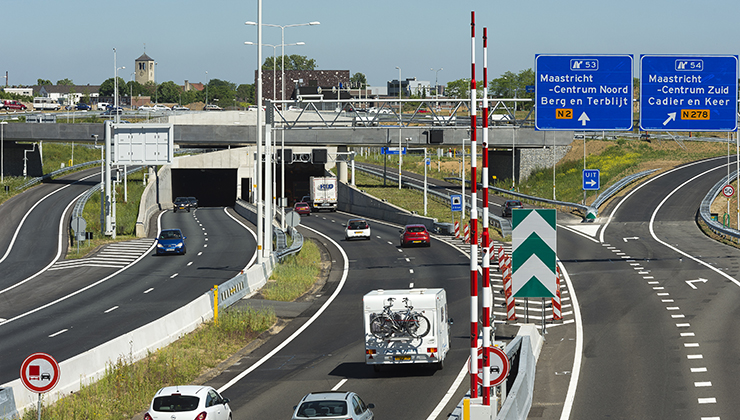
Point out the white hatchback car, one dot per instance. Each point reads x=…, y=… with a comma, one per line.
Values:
x=198, y=402
x=333, y=405
x=357, y=228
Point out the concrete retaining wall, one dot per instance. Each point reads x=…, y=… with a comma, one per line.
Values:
x=354, y=201
x=156, y=196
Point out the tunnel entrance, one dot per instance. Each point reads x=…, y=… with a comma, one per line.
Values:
x=212, y=187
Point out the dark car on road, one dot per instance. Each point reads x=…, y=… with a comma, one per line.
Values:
x=509, y=205
x=171, y=241
x=193, y=202
x=415, y=235
x=82, y=107
x=181, y=203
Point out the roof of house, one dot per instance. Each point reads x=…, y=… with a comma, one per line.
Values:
x=144, y=57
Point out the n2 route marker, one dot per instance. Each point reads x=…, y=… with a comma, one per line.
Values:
x=688, y=93
x=584, y=92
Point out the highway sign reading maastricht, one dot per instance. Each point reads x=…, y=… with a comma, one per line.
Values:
x=584, y=92
x=688, y=93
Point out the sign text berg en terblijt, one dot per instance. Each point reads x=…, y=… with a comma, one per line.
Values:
x=584, y=92
x=688, y=93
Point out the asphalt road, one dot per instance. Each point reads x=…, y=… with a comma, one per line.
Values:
x=329, y=353
x=659, y=302
x=66, y=312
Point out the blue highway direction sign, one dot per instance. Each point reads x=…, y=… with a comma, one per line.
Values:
x=583, y=93
x=391, y=150
x=591, y=179
x=688, y=93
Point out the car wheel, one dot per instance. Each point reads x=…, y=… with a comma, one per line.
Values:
x=184, y=251
x=174, y=210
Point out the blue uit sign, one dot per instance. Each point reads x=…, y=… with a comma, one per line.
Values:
x=688, y=93
x=583, y=93
x=591, y=179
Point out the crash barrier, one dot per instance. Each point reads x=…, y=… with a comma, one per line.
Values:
x=523, y=352
x=617, y=186
x=705, y=213
x=80, y=204
x=34, y=181
x=502, y=224
x=90, y=366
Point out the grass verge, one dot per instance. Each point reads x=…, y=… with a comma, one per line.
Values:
x=294, y=275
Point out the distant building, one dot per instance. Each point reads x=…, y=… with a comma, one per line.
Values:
x=410, y=86
x=68, y=95
x=145, y=67
x=325, y=79
x=25, y=91
x=193, y=86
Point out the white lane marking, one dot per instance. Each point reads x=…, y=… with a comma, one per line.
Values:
x=663, y=294
x=411, y=285
x=206, y=239
x=694, y=356
x=400, y=249
x=688, y=334
x=707, y=400
x=678, y=316
x=59, y=245
x=339, y=385
x=703, y=384
x=653, y=282
x=698, y=370
x=710, y=418
x=205, y=233
x=111, y=309
x=314, y=317
x=684, y=325
x=691, y=345
x=173, y=276
x=658, y=288
x=379, y=238
x=407, y=259
x=577, y=360
x=672, y=308
x=390, y=243
x=25, y=216
x=59, y=332
x=200, y=253
x=148, y=290
x=648, y=277
x=190, y=263
x=666, y=300
x=411, y=271
x=205, y=245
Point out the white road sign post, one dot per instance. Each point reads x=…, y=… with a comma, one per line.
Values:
x=40, y=373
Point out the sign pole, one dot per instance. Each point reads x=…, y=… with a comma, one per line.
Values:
x=486, y=261
x=473, y=223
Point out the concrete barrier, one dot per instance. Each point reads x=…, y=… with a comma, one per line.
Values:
x=157, y=195
x=354, y=201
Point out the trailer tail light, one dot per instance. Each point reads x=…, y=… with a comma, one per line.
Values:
x=431, y=350
x=370, y=351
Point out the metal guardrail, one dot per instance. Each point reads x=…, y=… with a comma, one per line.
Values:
x=82, y=201
x=704, y=208
x=295, y=247
x=614, y=188
x=36, y=180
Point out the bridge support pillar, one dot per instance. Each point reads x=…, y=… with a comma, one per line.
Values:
x=342, y=171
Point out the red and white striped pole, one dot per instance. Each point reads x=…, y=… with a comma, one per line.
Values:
x=474, y=226
x=485, y=238
x=557, y=313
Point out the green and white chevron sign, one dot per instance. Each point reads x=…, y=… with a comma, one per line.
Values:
x=533, y=254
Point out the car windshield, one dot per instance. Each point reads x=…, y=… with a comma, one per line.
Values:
x=170, y=234
x=175, y=403
x=415, y=229
x=181, y=200
x=319, y=409
x=357, y=224
x=515, y=203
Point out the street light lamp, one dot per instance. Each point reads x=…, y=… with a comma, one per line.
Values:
x=156, y=91
x=436, y=89
x=206, y=88
x=400, y=124
x=115, y=93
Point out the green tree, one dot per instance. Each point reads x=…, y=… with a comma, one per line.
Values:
x=65, y=82
x=245, y=92
x=191, y=96
x=149, y=89
x=358, y=81
x=511, y=85
x=459, y=88
x=169, y=92
x=43, y=82
x=292, y=62
x=107, y=87
x=222, y=90
x=134, y=88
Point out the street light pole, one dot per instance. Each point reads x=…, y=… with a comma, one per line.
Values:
x=207, y=78
x=156, y=91
x=400, y=124
x=436, y=90
x=2, y=153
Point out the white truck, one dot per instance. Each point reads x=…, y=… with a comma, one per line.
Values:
x=406, y=326
x=41, y=103
x=323, y=192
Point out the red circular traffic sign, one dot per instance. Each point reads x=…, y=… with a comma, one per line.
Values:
x=500, y=366
x=728, y=191
x=40, y=373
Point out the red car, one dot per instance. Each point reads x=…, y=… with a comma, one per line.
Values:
x=9, y=104
x=302, y=208
x=415, y=235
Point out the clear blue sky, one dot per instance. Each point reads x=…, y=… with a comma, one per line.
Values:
x=74, y=39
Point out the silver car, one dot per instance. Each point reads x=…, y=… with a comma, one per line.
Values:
x=332, y=405
x=188, y=402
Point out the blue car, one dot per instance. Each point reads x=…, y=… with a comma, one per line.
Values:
x=171, y=241
x=82, y=107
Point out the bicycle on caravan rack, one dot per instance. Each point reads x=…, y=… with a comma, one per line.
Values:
x=400, y=323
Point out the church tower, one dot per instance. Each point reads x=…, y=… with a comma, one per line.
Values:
x=144, y=66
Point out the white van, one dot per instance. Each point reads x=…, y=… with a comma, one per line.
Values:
x=41, y=103
x=394, y=340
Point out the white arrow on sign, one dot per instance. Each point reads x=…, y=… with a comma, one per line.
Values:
x=591, y=183
x=691, y=282
x=583, y=118
x=633, y=237
x=671, y=117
